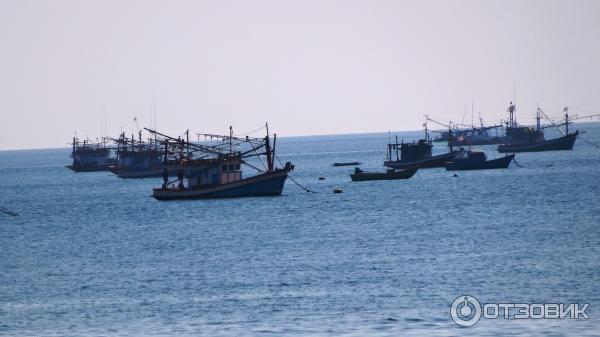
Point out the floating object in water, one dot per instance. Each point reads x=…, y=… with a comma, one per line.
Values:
x=337, y=190
x=391, y=174
x=477, y=160
x=455, y=175
x=352, y=163
x=4, y=210
x=321, y=178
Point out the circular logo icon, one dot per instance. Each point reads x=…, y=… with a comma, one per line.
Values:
x=465, y=310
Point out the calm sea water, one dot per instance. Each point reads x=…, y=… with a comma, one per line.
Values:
x=91, y=254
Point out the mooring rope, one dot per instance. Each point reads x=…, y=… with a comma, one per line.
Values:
x=587, y=141
x=292, y=179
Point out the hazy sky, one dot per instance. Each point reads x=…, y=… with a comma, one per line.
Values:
x=307, y=67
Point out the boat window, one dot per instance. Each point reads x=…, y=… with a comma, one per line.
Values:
x=237, y=167
x=223, y=167
x=231, y=167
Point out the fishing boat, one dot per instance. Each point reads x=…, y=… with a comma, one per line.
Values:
x=415, y=154
x=352, y=163
x=138, y=158
x=89, y=157
x=476, y=160
x=216, y=171
x=390, y=174
x=527, y=139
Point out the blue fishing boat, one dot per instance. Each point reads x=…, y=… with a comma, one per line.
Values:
x=527, y=139
x=89, y=157
x=476, y=160
x=218, y=174
x=415, y=154
x=138, y=158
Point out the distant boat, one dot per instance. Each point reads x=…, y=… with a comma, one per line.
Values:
x=477, y=160
x=138, y=158
x=352, y=163
x=90, y=157
x=220, y=176
x=390, y=174
x=527, y=139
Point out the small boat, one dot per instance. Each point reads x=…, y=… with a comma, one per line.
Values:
x=476, y=160
x=220, y=175
x=390, y=174
x=527, y=139
x=352, y=163
x=91, y=157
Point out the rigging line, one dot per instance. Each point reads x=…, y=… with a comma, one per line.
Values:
x=292, y=179
x=253, y=131
x=254, y=167
x=259, y=158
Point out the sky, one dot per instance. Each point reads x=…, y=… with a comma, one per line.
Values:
x=307, y=67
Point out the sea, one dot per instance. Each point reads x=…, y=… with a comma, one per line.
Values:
x=90, y=254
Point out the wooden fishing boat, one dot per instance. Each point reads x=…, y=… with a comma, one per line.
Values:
x=477, y=160
x=415, y=154
x=352, y=163
x=390, y=174
x=138, y=158
x=220, y=175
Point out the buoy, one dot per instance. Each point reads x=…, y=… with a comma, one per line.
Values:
x=337, y=190
x=455, y=175
x=321, y=178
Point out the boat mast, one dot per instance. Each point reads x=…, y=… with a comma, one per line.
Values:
x=567, y=119
x=512, y=119
x=268, y=151
x=538, y=117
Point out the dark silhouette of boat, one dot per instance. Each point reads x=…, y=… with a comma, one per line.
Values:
x=476, y=160
x=137, y=158
x=352, y=163
x=90, y=157
x=417, y=154
x=390, y=174
x=527, y=139
x=220, y=175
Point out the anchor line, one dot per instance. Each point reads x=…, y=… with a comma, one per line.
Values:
x=293, y=180
x=587, y=141
x=515, y=160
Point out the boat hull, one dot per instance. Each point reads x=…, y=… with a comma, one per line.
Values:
x=369, y=176
x=95, y=168
x=434, y=161
x=558, y=144
x=269, y=184
x=484, y=165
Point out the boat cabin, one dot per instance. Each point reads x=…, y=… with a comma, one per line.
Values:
x=415, y=151
x=224, y=172
x=471, y=155
x=134, y=160
x=518, y=135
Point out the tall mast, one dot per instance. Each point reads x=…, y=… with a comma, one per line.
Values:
x=538, y=118
x=567, y=119
x=512, y=120
x=268, y=150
